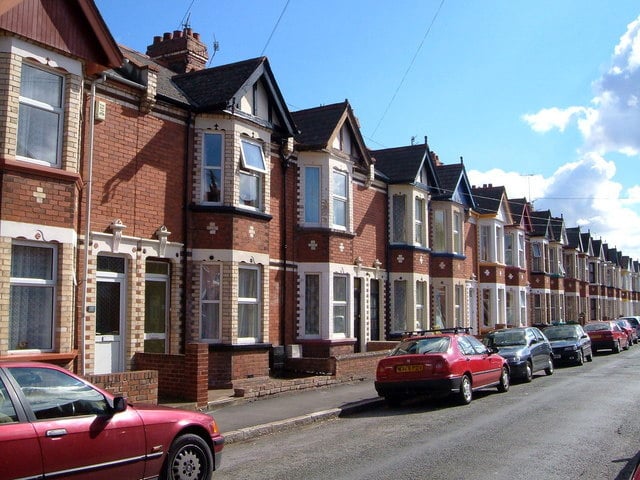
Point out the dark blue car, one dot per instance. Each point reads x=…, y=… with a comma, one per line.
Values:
x=526, y=349
x=570, y=343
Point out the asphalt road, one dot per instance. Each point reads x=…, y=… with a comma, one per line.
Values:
x=579, y=423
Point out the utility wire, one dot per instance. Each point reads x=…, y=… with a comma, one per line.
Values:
x=409, y=67
x=275, y=27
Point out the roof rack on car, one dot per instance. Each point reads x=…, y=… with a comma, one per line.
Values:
x=438, y=330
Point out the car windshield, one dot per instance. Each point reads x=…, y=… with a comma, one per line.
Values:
x=422, y=345
x=561, y=333
x=633, y=321
x=593, y=327
x=507, y=338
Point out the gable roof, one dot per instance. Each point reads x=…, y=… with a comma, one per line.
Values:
x=558, y=230
x=219, y=88
x=403, y=164
x=319, y=126
x=73, y=27
x=574, y=239
x=521, y=213
x=488, y=198
x=453, y=182
x=540, y=221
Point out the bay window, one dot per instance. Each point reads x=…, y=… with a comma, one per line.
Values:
x=421, y=310
x=249, y=305
x=399, y=306
x=40, y=116
x=339, y=190
x=312, y=195
x=340, y=305
x=419, y=224
x=439, y=232
x=210, y=302
x=457, y=233
x=399, y=215
x=32, y=296
x=212, y=148
x=251, y=174
x=312, y=304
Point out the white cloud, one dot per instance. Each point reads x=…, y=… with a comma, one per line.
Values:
x=549, y=118
x=611, y=122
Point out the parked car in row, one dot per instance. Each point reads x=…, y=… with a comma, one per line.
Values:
x=526, y=349
x=570, y=343
x=607, y=335
x=54, y=424
x=438, y=363
x=634, y=320
x=632, y=334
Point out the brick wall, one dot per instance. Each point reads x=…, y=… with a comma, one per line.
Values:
x=139, y=387
x=344, y=368
x=180, y=377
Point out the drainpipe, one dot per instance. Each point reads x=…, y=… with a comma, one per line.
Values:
x=185, y=224
x=87, y=230
x=285, y=163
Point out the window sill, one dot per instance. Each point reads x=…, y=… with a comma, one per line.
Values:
x=51, y=357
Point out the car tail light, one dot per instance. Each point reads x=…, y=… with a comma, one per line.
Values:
x=440, y=366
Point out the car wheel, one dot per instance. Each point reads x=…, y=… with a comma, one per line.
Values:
x=616, y=347
x=590, y=357
x=189, y=458
x=503, y=386
x=465, y=393
x=549, y=369
x=581, y=358
x=528, y=372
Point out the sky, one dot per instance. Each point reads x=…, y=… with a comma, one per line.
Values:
x=541, y=96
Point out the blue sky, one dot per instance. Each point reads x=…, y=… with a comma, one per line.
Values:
x=542, y=96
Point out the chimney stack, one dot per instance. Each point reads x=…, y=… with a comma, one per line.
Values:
x=180, y=51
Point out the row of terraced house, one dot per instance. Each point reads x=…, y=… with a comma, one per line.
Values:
x=149, y=203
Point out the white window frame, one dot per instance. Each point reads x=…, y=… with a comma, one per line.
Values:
x=439, y=231
x=206, y=169
x=245, y=156
x=457, y=233
x=164, y=278
x=342, y=304
x=312, y=194
x=44, y=283
x=337, y=198
x=421, y=307
x=485, y=243
x=38, y=105
x=399, y=212
x=419, y=216
x=216, y=303
x=317, y=321
x=251, y=301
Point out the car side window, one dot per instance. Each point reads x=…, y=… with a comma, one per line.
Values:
x=54, y=394
x=7, y=410
x=479, y=347
x=465, y=346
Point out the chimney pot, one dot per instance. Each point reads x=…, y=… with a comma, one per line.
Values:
x=166, y=36
x=196, y=36
x=177, y=33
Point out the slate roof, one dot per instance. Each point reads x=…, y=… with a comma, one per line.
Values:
x=214, y=88
x=574, y=239
x=165, y=86
x=518, y=208
x=540, y=221
x=488, y=199
x=316, y=125
x=402, y=164
x=557, y=225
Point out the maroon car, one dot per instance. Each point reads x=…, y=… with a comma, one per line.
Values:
x=607, y=335
x=53, y=424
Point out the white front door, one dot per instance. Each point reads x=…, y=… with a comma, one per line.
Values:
x=110, y=314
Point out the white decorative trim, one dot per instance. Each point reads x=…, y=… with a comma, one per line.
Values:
x=32, y=231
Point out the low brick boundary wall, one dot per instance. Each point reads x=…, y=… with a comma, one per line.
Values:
x=140, y=386
x=180, y=377
x=353, y=366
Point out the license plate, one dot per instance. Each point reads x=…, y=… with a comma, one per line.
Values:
x=409, y=368
x=596, y=335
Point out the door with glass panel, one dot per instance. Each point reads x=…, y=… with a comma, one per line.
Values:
x=110, y=314
x=156, y=310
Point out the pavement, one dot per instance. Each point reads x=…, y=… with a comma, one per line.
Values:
x=241, y=420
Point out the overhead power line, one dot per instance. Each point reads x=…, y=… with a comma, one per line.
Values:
x=415, y=55
x=274, y=28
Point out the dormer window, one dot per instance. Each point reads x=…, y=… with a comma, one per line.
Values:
x=40, y=116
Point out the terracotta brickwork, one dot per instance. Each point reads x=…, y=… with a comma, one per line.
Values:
x=138, y=386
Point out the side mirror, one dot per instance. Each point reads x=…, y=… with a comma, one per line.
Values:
x=119, y=404
x=492, y=350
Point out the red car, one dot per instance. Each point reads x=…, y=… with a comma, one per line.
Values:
x=607, y=335
x=449, y=361
x=53, y=424
x=629, y=329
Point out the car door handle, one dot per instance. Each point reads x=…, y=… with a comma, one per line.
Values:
x=57, y=432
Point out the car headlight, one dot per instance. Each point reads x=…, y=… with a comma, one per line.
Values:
x=515, y=359
x=572, y=348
